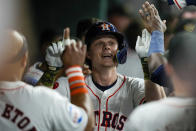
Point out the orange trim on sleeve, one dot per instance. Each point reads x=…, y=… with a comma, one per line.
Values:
x=77, y=85
x=75, y=78
x=79, y=91
x=74, y=72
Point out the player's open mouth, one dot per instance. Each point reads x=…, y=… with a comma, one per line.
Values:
x=107, y=56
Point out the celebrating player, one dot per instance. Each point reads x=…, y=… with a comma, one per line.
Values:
x=23, y=107
x=114, y=96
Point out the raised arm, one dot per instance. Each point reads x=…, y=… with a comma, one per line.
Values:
x=73, y=60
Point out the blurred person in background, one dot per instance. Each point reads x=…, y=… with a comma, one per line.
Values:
x=22, y=105
x=120, y=17
x=35, y=71
x=130, y=27
x=83, y=26
x=175, y=113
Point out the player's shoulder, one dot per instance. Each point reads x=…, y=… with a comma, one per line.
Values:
x=62, y=79
x=146, y=111
x=44, y=94
x=131, y=81
x=162, y=106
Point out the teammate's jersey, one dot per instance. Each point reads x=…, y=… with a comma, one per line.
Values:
x=23, y=107
x=113, y=106
x=34, y=74
x=171, y=114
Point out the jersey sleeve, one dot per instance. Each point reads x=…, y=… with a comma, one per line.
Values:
x=63, y=87
x=160, y=77
x=138, y=91
x=66, y=116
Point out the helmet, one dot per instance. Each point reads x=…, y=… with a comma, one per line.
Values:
x=106, y=28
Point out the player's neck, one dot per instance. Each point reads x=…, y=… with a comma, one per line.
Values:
x=105, y=77
x=11, y=78
x=183, y=89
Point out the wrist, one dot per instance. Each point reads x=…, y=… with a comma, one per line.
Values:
x=76, y=80
x=156, y=43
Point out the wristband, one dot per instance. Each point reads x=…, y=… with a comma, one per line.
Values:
x=156, y=43
x=76, y=80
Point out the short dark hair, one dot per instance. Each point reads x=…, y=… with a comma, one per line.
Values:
x=84, y=25
x=182, y=53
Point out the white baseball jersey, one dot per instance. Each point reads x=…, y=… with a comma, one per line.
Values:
x=113, y=106
x=23, y=107
x=34, y=74
x=170, y=114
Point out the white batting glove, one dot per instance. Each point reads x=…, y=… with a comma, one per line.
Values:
x=143, y=44
x=54, y=52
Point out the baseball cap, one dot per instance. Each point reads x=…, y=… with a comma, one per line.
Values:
x=103, y=28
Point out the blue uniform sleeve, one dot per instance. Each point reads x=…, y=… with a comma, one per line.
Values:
x=160, y=77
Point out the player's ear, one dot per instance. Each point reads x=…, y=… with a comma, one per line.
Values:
x=24, y=60
x=169, y=69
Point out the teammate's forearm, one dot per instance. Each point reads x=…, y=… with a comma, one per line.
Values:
x=156, y=51
x=153, y=91
x=79, y=93
x=155, y=60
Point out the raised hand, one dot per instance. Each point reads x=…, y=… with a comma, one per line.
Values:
x=74, y=54
x=151, y=18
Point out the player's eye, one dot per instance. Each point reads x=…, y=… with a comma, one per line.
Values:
x=99, y=44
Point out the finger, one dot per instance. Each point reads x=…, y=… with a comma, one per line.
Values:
x=138, y=42
x=60, y=47
x=54, y=45
x=155, y=10
x=67, y=49
x=50, y=50
x=146, y=13
x=145, y=8
x=84, y=48
x=150, y=9
x=79, y=44
x=73, y=41
x=73, y=47
x=66, y=33
x=85, y=66
x=164, y=21
x=142, y=14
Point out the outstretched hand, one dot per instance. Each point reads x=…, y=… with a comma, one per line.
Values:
x=75, y=53
x=151, y=18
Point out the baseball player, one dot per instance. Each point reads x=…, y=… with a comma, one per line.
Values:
x=175, y=113
x=114, y=96
x=23, y=107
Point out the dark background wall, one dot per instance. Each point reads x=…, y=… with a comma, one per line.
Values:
x=58, y=14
